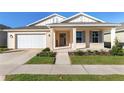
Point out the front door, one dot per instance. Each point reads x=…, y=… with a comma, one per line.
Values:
x=62, y=40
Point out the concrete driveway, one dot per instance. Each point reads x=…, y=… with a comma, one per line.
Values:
x=14, y=59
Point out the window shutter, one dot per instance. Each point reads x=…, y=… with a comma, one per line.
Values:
x=83, y=36
x=90, y=36
x=100, y=36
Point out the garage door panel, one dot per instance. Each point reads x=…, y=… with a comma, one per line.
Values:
x=31, y=41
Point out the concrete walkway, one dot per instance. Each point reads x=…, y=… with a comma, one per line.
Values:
x=69, y=69
x=62, y=58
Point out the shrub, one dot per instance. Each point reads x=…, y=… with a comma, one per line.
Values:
x=96, y=52
x=89, y=52
x=46, y=49
x=104, y=53
x=3, y=46
x=79, y=53
x=51, y=54
x=3, y=49
x=117, y=49
x=47, y=54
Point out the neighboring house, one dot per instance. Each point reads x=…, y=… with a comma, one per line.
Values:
x=3, y=36
x=119, y=35
x=56, y=32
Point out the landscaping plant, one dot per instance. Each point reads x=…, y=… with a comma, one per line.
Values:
x=117, y=49
x=46, y=50
x=3, y=49
x=46, y=53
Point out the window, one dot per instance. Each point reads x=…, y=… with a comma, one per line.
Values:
x=95, y=37
x=79, y=37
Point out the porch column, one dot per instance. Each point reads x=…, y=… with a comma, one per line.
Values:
x=74, y=39
x=52, y=38
x=113, y=37
x=87, y=38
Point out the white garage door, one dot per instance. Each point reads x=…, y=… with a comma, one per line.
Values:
x=31, y=41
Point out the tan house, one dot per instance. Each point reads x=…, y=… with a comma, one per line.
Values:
x=57, y=32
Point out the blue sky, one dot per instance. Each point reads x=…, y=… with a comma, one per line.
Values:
x=18, y=19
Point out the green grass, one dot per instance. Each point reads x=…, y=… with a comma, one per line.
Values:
x=3, y=49
x=3, y=46
x=97, y=60
x=29, y=77
x=41, y=60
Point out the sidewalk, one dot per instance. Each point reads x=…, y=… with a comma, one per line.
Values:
x=69, y=69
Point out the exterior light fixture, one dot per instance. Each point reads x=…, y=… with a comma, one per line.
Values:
x=49, y=35
x=11, y=36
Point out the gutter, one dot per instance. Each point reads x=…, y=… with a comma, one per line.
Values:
x=86, y=25
x=26, y=30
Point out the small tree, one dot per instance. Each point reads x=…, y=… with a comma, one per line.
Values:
x=117, y=49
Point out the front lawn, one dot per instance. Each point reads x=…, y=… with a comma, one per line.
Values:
x=44, y=57
x=41, y=60
x=29, y=77
x=106, y=60
x=3, y=49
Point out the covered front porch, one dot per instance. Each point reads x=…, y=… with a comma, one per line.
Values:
x=73, y=38
x=80, y=37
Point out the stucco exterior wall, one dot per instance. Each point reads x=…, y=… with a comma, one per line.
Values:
x=80, y=45
x=3, y=38
x=107, y=38
x=11, y=36
x=11, y=40
x=120, y=37
x=96, y=46
x=48, y=39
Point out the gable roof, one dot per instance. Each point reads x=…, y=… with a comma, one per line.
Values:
x=83, y=14
x=32, y=27
x=4, y=26
x=52, y=15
